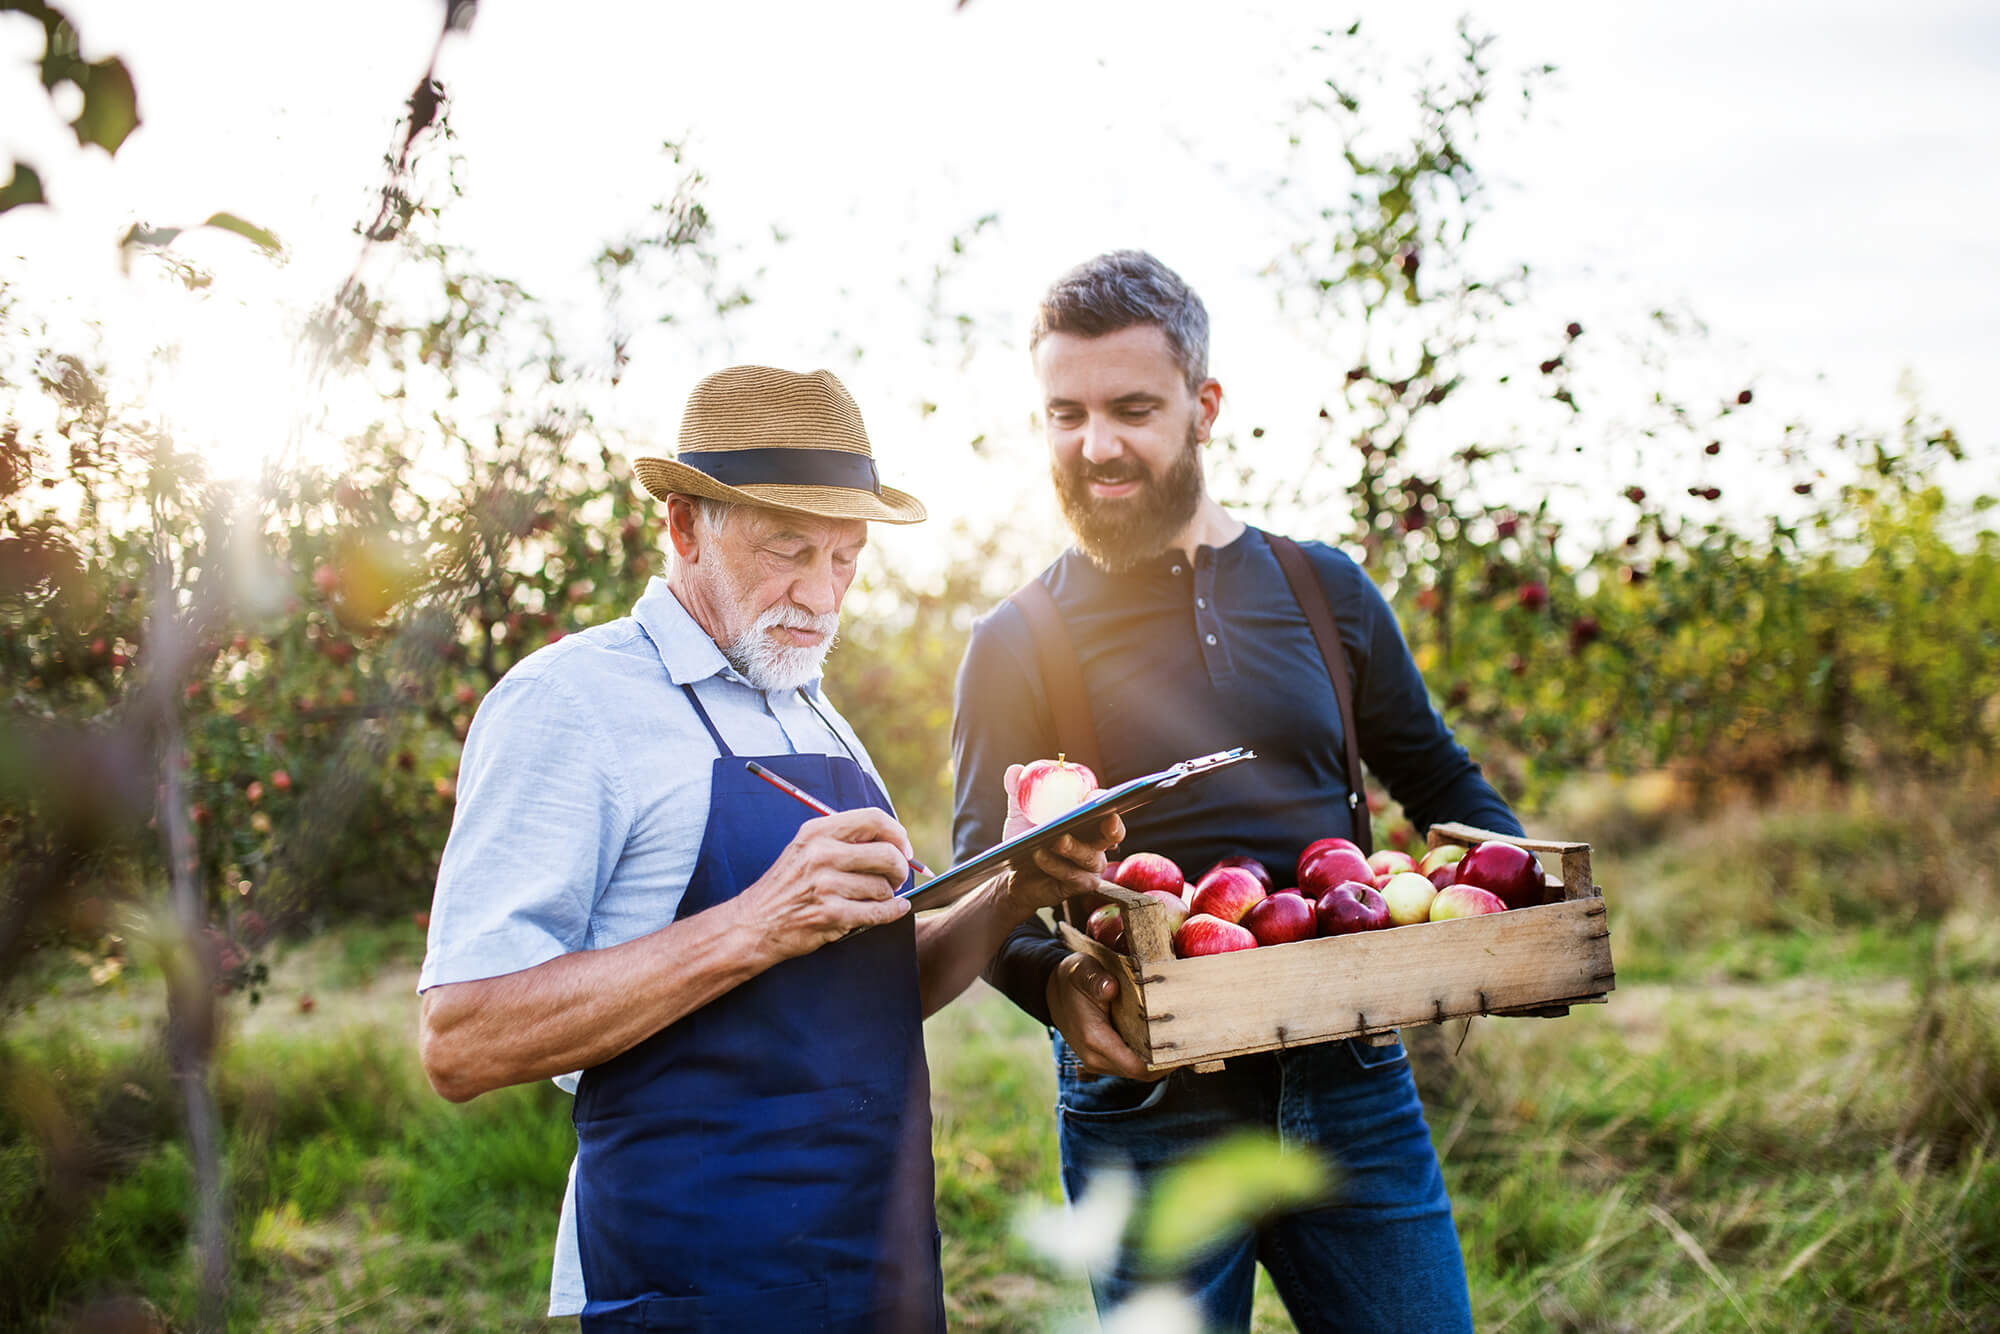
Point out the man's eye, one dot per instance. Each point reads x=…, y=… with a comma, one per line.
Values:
x=1066, y=418
x=1136, y=414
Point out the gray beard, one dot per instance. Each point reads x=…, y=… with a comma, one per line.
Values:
x=1119, y=535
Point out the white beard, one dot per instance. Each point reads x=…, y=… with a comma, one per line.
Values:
x=770, y=665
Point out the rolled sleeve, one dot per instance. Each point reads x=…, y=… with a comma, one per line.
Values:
x=542, y=816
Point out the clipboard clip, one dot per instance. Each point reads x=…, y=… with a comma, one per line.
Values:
x=1203, y=763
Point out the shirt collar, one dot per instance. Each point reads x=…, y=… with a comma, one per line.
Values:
x=685, y=649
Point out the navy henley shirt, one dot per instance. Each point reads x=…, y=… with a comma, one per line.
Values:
x=1183, y=656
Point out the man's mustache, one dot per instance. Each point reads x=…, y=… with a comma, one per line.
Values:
x=1113, y=474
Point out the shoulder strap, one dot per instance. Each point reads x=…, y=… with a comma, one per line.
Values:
x=1062, y=678
x=1312, y=599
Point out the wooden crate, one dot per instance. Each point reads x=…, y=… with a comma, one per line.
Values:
x=1526, y=961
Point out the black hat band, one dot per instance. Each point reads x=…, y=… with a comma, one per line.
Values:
x=787, y=467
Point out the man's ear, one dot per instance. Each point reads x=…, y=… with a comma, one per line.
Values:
x=681, y=517
x=1207, y=404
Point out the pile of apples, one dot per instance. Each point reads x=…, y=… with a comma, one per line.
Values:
x=1235, y=906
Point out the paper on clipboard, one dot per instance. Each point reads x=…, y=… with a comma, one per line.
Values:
x=1019, y=851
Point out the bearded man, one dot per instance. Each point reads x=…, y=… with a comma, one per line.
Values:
x=733, y=990
x=1172, y=629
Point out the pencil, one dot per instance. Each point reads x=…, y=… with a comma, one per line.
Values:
x=812, y=801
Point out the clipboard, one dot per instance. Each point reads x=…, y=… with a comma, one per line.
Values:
x=1019, y=851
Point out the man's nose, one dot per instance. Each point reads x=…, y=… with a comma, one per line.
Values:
x=1100, y=441
x=817, y=590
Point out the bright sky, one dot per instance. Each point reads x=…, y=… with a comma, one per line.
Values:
x=1817, y=181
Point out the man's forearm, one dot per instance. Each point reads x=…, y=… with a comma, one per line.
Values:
x=953, y=946
x=1021, y=968
x=579, y=1010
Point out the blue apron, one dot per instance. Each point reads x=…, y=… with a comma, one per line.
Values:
x=765, y=1162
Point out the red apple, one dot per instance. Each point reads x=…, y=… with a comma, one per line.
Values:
x=1145, y=872
x=1202, y=934
x=1280, y=919
x=1350, y=906
x=1176, y=906
x=1408, y=897
x=1511, y=872
x=1107, y=927
x=1464, y=901
x=1227, y=893
x=1250, y=864
x=1319, y=845
x=1331, y=867
x=1051, y=789
x=1389, y=862
x=1441, y=864
x=281, y=780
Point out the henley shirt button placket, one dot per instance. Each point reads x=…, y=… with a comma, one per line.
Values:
x=1204, y=620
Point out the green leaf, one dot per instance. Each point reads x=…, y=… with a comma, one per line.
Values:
x=110, y=104
x=1228, y=1186
x=249, y=231
x=24, y=188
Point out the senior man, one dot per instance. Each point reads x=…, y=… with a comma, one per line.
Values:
x=739, y=983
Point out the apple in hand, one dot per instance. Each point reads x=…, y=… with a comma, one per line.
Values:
x=1250, y=864
x=1106, y=926
x=1144, y=872
x=1408, y=897
x=1511, y=872
x=1228, y=893
x=1050, y=789
x=1331, y=867
x=1202, y=934
x=1464, y=901
x=1389, y=862
x=1441, y=864
x=1351, y=906
x=1280, y=919
x=1319, y=845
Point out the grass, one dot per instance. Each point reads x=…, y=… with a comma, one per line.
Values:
x=1788, y=1117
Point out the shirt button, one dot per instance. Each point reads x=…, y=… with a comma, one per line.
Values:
x=1177, y=569
x=1201, y=602
x=1211, y=639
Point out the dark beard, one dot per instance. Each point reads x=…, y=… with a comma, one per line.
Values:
x=1119, y=535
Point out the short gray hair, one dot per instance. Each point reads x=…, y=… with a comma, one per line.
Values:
x=714, y=514
x=1123, y=288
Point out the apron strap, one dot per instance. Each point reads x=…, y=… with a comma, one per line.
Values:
x=720, y=745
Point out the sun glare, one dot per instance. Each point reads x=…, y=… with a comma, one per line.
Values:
x=234, y=386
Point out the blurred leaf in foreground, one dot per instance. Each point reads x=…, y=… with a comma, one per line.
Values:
x=1232, y=1184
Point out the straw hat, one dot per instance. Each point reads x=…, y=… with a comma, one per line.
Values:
x=757, y=436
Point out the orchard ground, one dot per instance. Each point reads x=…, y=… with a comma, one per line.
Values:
x=1786, y=1117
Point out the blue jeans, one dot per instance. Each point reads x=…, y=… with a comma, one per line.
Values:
x=1382, y=1257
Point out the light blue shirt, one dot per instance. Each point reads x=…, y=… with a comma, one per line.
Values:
x=582, y=798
